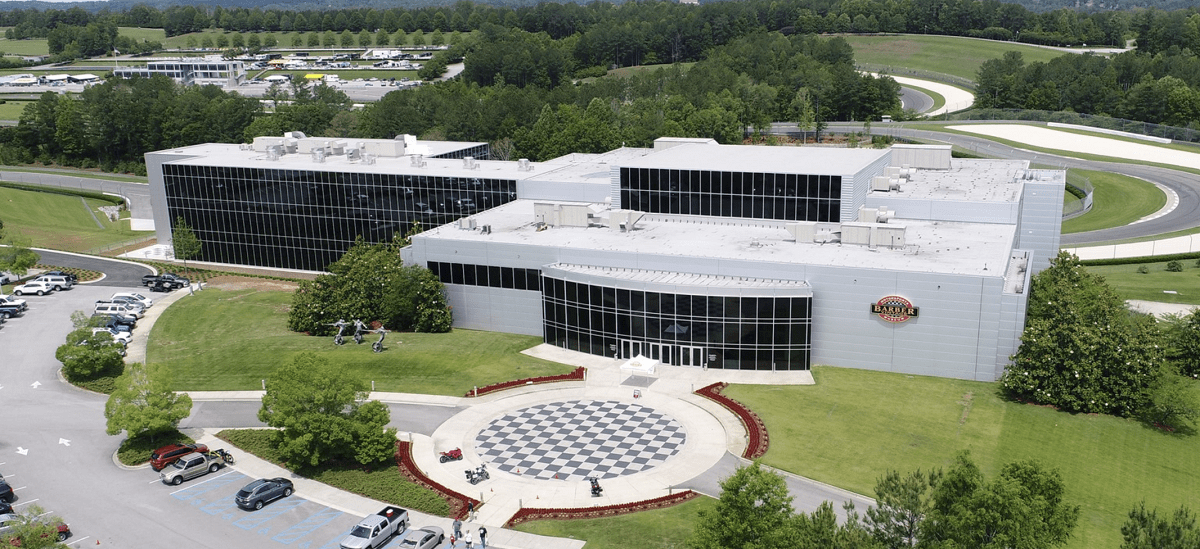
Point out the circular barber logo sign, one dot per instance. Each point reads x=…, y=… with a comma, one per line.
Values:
x=894, y=308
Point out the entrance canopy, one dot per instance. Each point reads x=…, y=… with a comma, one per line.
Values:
x=640, y=365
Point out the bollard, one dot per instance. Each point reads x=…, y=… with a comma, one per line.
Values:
x=372, y=385
x=264, y=384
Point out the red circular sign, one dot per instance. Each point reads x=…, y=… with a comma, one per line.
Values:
x=894, y=308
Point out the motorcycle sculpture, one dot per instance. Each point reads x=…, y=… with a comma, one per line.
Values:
x=596, y=489
x=475, y=476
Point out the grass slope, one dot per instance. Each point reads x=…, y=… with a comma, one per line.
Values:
x=231, y=340
x=61, y=222
x=956, y=56
x=1131, y=284
x=1119, y=200
x=11, y=110
x=855, y=425
x=658, y=529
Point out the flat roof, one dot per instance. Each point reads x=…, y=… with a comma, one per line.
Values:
x=756, y=158
x=588, y=168
x=967, y=180
x=680, y=279
x=980, y=249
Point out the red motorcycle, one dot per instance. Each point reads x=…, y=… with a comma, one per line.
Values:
x=452, y=455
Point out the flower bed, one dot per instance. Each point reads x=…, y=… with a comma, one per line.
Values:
x=757, y=430
x=532, y=513
x=577, y=375
x=459, y=503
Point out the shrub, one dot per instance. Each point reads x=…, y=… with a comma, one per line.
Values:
x=1144, y=269
x=1175, y=267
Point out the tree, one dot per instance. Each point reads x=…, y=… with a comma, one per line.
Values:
x=86, y=355
x=1146, y=530
x=322, y=415
x=33, y=529
x=1082, y=350
x=1022, y=507
x=143, y=404
x=1173, y=401
x=754, y=511
x=184, y=241
x=15, y=255
x=901, y=505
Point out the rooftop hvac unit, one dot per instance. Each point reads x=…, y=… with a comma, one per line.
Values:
x=888, y=236
x=318, y=155
x=1019, y=288
x=244, y=146
x=803, y=231
x=353, y=154
x=295, y=135
x=384, y=147
x=524, y=165
x=875, y=215
x=883, y=183
x=368, y=159
x=624, y=220
x=468, y=162
x=823, y=236
x=290, y=146
x=273, y=152
x=856, y=233
x=467, y=223
x=262, y=143
x=418, y=161
x=486, y=229
x=336, y=147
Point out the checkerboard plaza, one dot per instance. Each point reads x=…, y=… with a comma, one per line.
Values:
x=575, y=440
x=691, y=253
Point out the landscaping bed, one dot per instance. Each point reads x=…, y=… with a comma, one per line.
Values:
x=136, y=451
x=380, y=481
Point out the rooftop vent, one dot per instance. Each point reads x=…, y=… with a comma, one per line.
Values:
x=295, y=135
x=418, y=161
x=353, y=154
x=524, y=165
x=467, y=223
x=318, y=155
x=273, y=152
x=368, y=159
x=469, y=163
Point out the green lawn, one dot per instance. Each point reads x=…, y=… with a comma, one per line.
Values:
x=1119, y=200
x=956, y=56
x=62, y=222
x=658, y=529
x=855, y=425
x=1131, y=284
x=140, y=34
x=231, y=340
x=32, y=46
x=11, y=110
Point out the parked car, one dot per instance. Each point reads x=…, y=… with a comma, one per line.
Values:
x=161, y=286
x=263, y=491
x=10, y=521
x=39, y=288
x=375, y=530
x=69, y=276
x=190, y=466
x=56, y=282
x=8, y=278
x=120, y=337
x=107, y=307
x=10, y=300
x=6, y=491
x=167, y=455
x=117, y=322
x=5, y=508
x=133, y=296
x=428, y=537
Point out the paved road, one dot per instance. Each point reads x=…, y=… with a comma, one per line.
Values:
x=121, y=274
x=137, y=193
x=232, y=414
x=916, y=100
x=1185, y=216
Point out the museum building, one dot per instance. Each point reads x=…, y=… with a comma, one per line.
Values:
x=692, y=253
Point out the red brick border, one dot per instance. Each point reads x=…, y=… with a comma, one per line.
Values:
x=459, y=503
x=527, y=514
x=759, y=439
x=576, y=375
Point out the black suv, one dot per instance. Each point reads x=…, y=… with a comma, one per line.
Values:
x=6, y=491
x=120, y=323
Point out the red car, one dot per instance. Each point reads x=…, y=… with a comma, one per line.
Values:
x=167, y=455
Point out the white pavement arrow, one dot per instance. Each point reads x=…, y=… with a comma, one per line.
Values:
x=35, y=384
x=22, y=451
x=64, y=442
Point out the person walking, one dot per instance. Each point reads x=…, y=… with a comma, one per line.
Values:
x=467, y=538
x=482, y=537
x=457, y=528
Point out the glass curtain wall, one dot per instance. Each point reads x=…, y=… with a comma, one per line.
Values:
x=746, y=333
x=297, y=219
x=790, y=197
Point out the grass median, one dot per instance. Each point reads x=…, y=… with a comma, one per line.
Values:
x=232, y=339
x=62, y=222
x=855, y=425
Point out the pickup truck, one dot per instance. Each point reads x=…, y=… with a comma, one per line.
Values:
x=170, y=279
x=190, y=466
x=375, y=530
x=10, y=307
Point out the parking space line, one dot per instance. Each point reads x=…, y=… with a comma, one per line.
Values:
x=212, y=483
x=307, y=526
x=223, y=505
x=78, y=540
x=336, y=543
x=25, y=502
x=19, y=489
x=267, y=513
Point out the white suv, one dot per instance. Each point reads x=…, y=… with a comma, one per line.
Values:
x=34, y=287
x=57, y=282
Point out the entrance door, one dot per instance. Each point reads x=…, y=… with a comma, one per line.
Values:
x=630, y=348
x=691, y=356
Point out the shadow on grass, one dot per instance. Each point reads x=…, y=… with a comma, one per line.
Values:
x=1183, y=430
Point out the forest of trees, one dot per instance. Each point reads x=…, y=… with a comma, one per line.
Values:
x=739, y=88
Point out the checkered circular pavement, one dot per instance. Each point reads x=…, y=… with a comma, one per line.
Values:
x=578, y=439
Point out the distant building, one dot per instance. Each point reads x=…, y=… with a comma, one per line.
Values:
x=220, y=72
